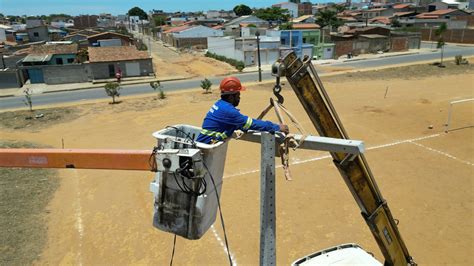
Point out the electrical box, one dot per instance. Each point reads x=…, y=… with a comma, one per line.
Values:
x=185, y=201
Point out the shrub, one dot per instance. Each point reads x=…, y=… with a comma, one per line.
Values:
x=206, y=85
x=239, y=65
x=28, y=100
x=112, y=89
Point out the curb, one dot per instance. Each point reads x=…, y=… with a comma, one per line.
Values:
x=8, y=95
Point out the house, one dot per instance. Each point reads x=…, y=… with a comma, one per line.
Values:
x=53, y=64
x=220, y=14
x=75, y=37
x=290, y=6
x=245, y=48
x=189, y=36
x=32, y=23
x=293, y=40
x=375, y=12
x=304, y=19
x=381, y=20
x=104, y=62
x=110, y=39
x=85, y=21
x=443, y=14
x=403, y=7
x=305, y=8
x=38, y=33
x=306, y=26
x=3, y=32
x=233, y=27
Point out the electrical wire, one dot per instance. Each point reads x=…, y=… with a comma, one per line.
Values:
x=172, y=254
x=220, y=213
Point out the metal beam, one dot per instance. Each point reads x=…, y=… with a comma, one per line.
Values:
x=347, y=146
x=76, y=158
x=267, y=201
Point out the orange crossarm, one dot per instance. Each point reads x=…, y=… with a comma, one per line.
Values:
x=77, y=158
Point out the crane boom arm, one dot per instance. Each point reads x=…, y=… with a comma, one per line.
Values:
x=310, y=91
x=77, y=158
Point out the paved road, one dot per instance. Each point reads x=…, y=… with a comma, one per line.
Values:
x=450, y=50
x=89, y=94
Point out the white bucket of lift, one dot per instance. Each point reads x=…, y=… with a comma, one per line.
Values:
x=177, y=211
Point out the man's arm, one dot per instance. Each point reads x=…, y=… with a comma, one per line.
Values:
x=245, y=123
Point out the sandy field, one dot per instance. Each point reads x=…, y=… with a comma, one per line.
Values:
x=426, y=175
x=168, y=63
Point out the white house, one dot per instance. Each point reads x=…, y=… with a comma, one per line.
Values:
x=291, y=7
x=198, y=32
x=3, y=29
x=245, y=48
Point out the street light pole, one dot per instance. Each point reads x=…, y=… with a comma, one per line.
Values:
x=258, y=55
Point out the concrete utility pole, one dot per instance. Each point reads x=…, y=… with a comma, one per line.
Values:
x=258, y=55
x=3, y=62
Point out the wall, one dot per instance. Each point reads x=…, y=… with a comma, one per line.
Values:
x=199, y=32
x=190, y=42
x=224, y=47
x=3, y=36
x=101, y=70
x=454, y=35
x=399, y=44
x=343, y=48
x=42, y=34
x=9, y=79
x=61, y=74
x=64, y=57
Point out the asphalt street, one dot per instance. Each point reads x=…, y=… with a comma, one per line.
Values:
x=98, y=93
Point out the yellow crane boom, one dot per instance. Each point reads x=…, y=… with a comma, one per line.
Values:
x=304, y=80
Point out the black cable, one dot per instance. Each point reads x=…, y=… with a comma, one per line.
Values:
x=172, y=254
x=187, y=135
x=220, y=213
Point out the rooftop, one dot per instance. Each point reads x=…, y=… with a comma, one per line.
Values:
x=51, y=49
x=115, y=53
x=305, y=26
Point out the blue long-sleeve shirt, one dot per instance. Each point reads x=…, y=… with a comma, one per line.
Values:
x=223, y=119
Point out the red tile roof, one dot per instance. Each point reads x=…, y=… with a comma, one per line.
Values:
x=178, y=29
x=306, y=26
x=441, y=12
x=115, y=53
x=383, y=20
x=47, y=49
x=401, y=6
x=399, y=14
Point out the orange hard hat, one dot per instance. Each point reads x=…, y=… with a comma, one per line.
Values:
x=231, y=85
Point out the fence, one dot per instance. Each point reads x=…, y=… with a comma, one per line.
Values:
x=453, y=35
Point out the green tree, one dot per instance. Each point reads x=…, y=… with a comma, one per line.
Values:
x=159, y=20
x=242, y=10
x=439, y=33
x=273, y=14
x=328, y=18
x=206, y=85
x=286, y=26
x=136, y=11
x=156, y=85
x=396, y=23
x=112, y=89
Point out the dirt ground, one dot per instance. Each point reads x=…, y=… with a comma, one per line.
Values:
x=168, y=63
x=426, y=175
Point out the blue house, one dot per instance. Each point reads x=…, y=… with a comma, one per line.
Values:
x=293, y=39
x=36, y=63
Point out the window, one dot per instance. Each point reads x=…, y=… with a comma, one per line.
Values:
x=36, y=34
x=59, y=61
x=70, y=60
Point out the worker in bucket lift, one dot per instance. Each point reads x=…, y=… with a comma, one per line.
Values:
x=224, y=118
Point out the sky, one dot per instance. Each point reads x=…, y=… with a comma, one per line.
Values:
x=116, y=7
